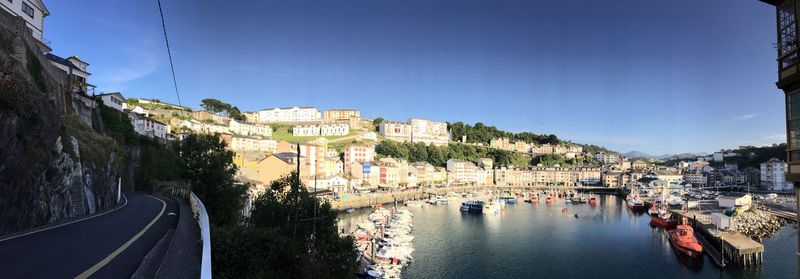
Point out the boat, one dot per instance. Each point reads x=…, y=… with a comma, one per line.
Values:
x=634, y=203
x=475, y=206
x=592, y=201
x=549, y=200
x=580, y=199
x=568, y=200
x=535, y=198
x=653, y=210
x=683, y=240
x=664, y=220
x=415, y=204
x=526, y=198
x=564, y=210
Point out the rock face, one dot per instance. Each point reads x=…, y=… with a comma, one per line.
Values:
x=52, y=165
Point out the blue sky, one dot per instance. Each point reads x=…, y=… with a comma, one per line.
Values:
x=655, y=76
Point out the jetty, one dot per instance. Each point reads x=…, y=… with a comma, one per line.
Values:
x=724, y=247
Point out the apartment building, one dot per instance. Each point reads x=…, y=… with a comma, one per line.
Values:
x=335, y=115
x=462, y=172
x=240, y=143
x=247, y=129
x=395, y=130
x=358, y=153
x=148, y=127
x=288, y=115
x=429, y=132
x=773, y=175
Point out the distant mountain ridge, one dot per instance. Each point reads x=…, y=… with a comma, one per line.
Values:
x=639, y=154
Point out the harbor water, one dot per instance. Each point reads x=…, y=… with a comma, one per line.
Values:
x=541, y=241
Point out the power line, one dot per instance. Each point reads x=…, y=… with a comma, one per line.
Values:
x=169, y=52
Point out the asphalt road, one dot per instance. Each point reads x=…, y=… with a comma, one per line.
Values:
x=107, y=246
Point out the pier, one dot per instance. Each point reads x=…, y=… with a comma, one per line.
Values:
x=723, y=246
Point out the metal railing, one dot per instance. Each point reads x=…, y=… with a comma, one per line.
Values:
x=201, y=215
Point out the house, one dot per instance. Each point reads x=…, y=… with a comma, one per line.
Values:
x=207, y=116
x=75, y=70
x=305, y=130
x=370, y=136
x=148, y=127
x=334, y=129
x=288, y=115
x=735, y=200
x=113, y=100
x=270, y=168
x=639, y=164
x=334, y=183
x=33, y=12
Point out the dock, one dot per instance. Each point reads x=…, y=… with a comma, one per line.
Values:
x=788, y=215
x=724, y=247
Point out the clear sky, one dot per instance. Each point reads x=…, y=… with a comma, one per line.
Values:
x=654, y=76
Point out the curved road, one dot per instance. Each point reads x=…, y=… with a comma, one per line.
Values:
x=107, y=246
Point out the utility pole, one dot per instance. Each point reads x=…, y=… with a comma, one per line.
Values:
x=295, y=188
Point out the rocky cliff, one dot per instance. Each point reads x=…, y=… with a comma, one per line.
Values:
x=52, y=165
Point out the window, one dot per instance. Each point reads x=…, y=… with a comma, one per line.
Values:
x=27, y=9
x=787, y=30
x=794, y=133
x=794, y=105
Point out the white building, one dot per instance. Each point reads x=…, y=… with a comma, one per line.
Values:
x=33, y=12
x=395, y=130
x=773, y=175
x=719, y=156
x=248, y=129
x=335, y=130
x=305, y=130
x=461, y=172
x=292, y=114
x=369, y=136
x=113, y=100
x=245, y=143
x=75, y=69
x=429, y=132
x=148, y=127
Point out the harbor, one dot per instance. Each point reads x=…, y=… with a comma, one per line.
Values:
x=541, y=236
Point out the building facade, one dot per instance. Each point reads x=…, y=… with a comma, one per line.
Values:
x=773, y=175
x=358, y=153
x=289, y=115
x=334, y=115
x=33, y=12
x=247, y=129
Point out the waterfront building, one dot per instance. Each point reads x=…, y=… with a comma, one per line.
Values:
x=612, y=179
x=359, y=153
x=335, y=115
x=773, y=175
x=668, y=175
x=288, y=115
x=247, y=129
x=461, y=172
x=696, y=179
x=33, y=13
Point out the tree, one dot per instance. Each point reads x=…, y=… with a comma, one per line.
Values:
x=270, y=247
x=377, y=121
x=214, y=105
x=208, y=167
x=236, y=114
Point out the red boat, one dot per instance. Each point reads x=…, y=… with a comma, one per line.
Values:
x=653, y=211
x=549, y=199
x=683, y=240
x=664, y=220
x=592, y=201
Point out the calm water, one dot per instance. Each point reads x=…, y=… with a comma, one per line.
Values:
x=539, y=241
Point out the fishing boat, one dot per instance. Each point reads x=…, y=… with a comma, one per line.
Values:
x=475, y=206
x=653, y=210
x=592, y=201
x=415, y=203
x=568, y=200
x=535, y=198
x=683, y=240
x=664, y=220
x=634, y=203
x=580, y=199
x=526, y=198
x=549, y=200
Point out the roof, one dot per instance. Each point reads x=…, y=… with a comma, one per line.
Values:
x=40, y=5
x=290, y=108
x=63, y=61
x=771, y=2
x=112, y=93
x=732, y=195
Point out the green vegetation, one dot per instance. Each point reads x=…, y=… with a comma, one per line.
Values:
x=438, y=155
x=208, y=167
x=376, y=122
x=549, y=160
x=273, y=245
x=35, y=70
x=480, y=133
x=118, y=125
x=217, y=106
x=284, y=133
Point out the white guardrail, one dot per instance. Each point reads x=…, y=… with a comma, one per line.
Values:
x=205, y=233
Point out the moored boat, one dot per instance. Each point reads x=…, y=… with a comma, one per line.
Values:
x=683, y=240
x=475, y=206
x=653, y=210
x=592, y=201
x=634, y=203
x=664, y=220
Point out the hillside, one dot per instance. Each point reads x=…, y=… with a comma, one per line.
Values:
x=52, y=165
